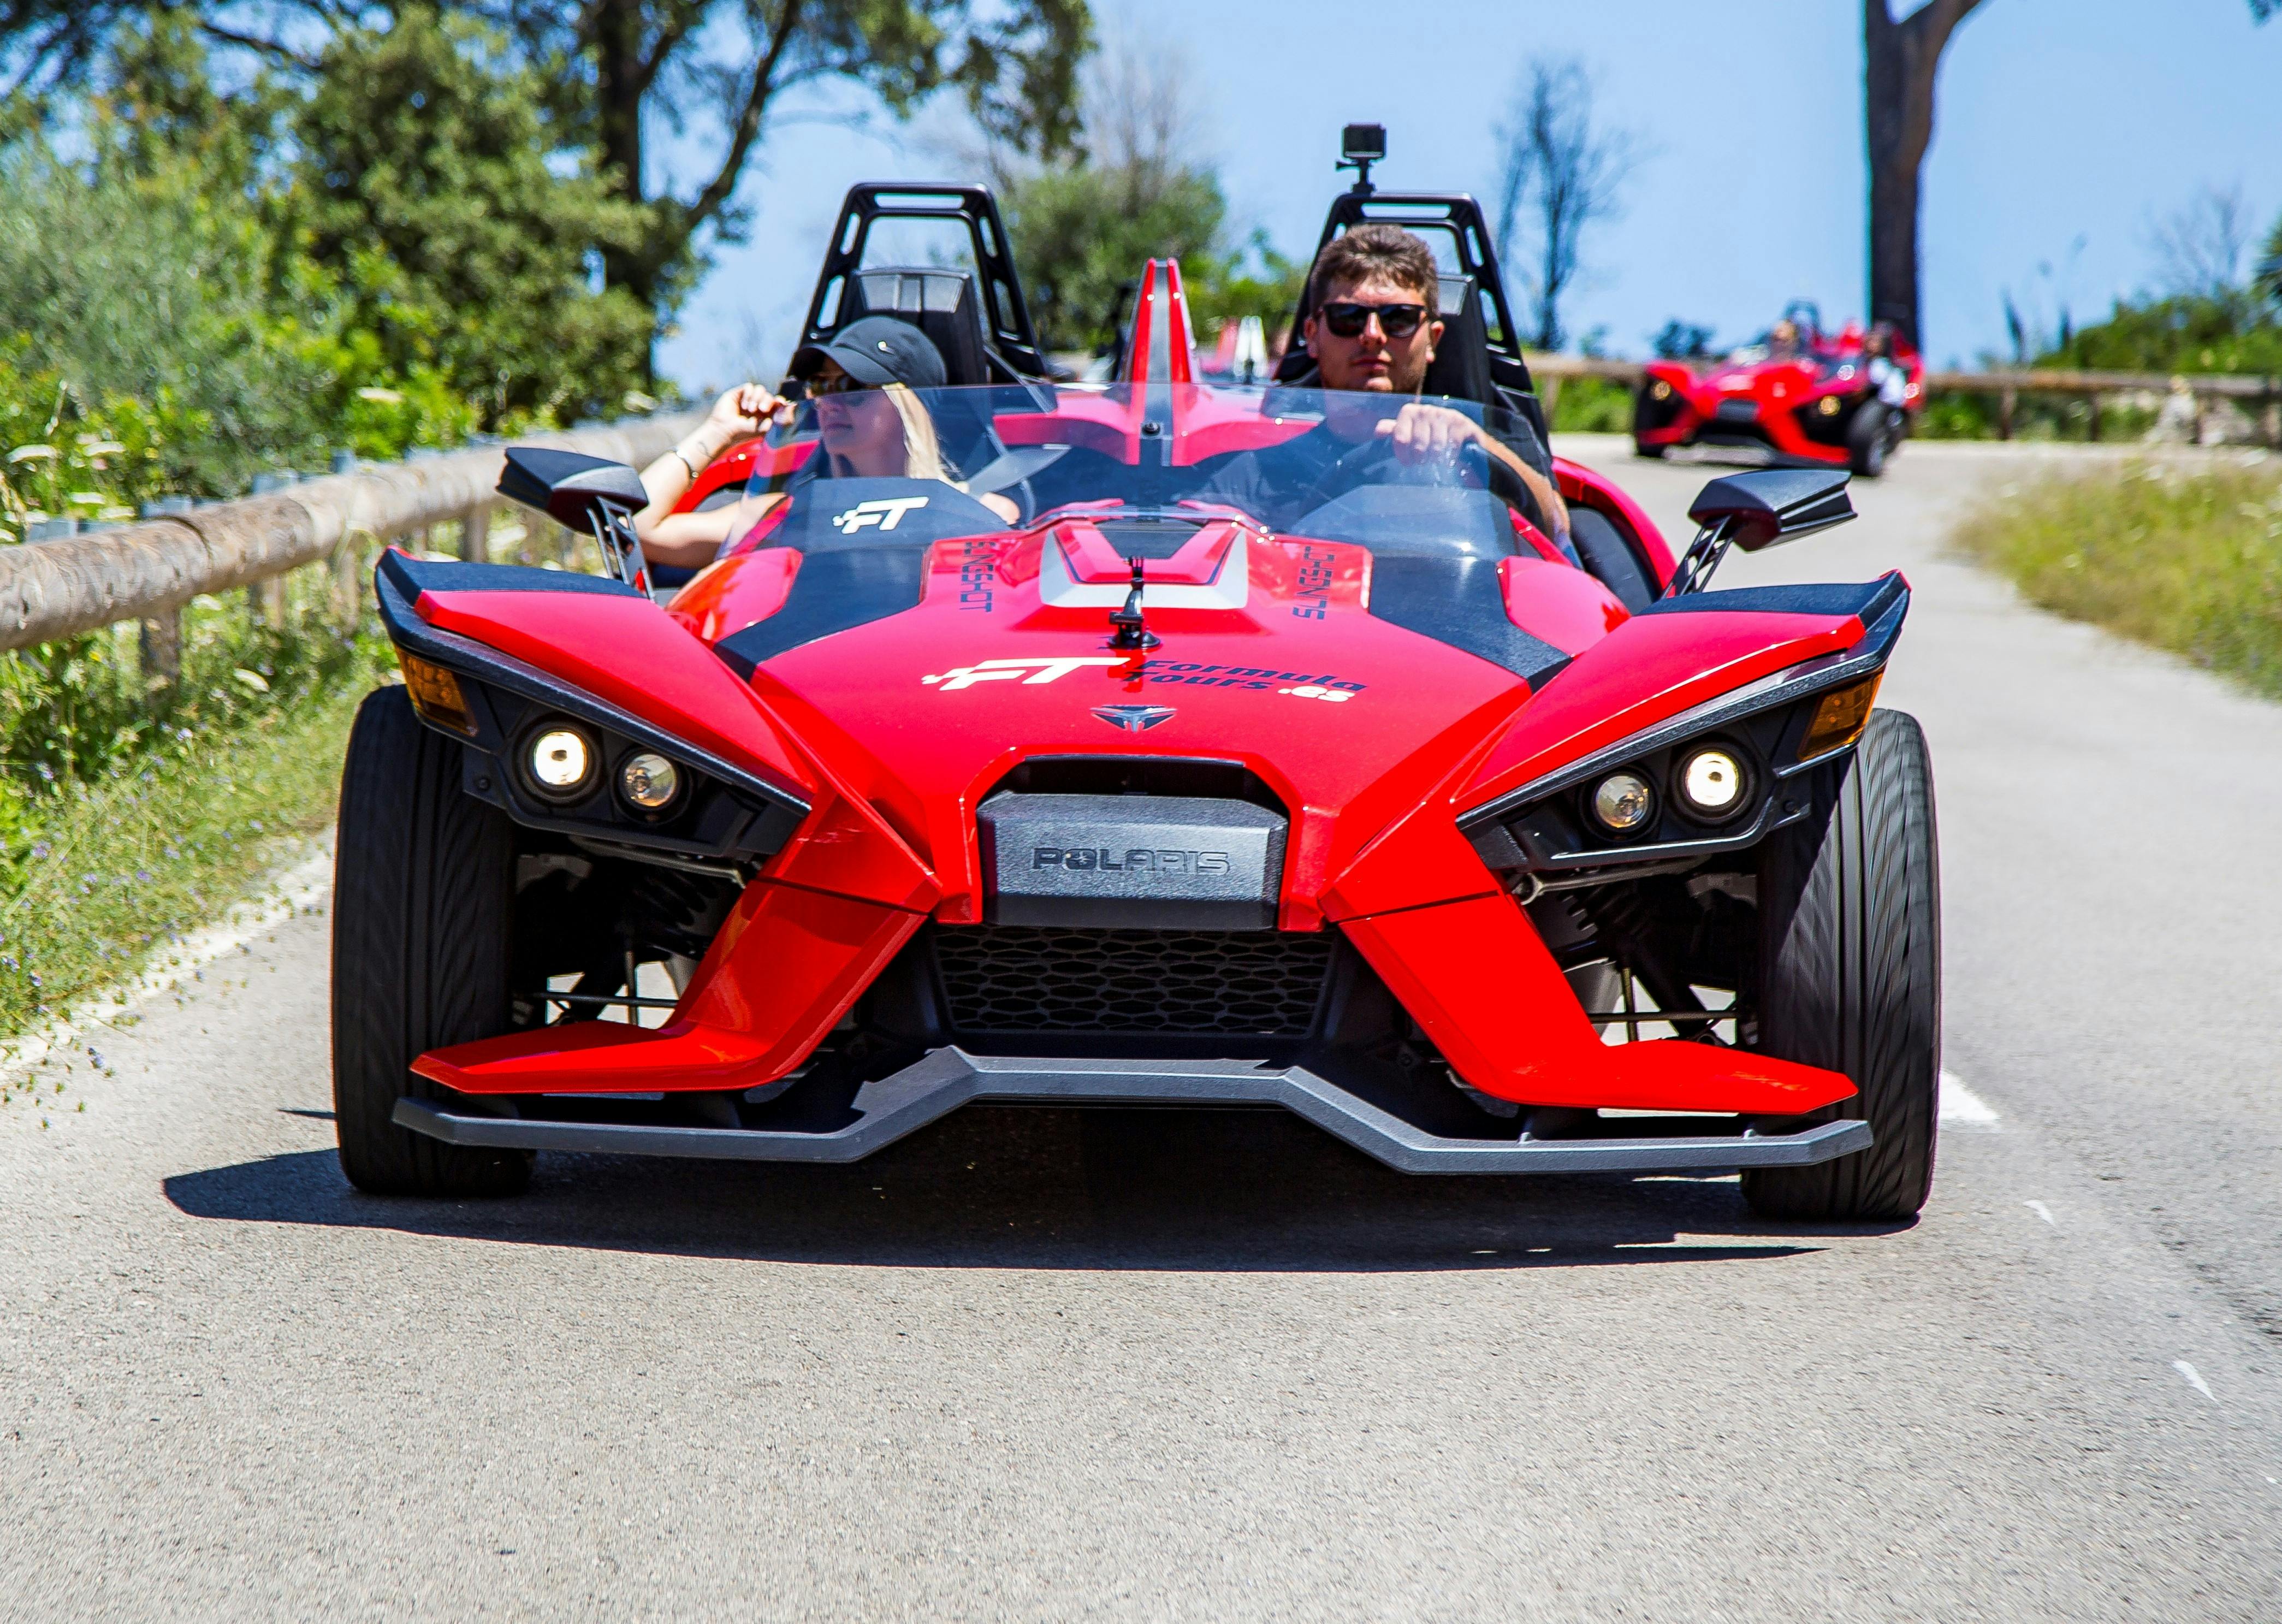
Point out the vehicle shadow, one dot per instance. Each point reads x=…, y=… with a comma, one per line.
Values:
x=1005, y=1188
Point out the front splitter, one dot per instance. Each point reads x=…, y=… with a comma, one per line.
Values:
x=946, y=1079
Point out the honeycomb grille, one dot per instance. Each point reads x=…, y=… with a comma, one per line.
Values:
x=1011, y=978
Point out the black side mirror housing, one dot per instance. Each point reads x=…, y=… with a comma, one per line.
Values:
x=1768, y=505
x=569, y=486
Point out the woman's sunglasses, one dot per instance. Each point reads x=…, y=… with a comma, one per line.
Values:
x=842, y=386
x=1347, y=319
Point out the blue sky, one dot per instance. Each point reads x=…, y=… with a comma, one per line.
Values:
x=2059, y=123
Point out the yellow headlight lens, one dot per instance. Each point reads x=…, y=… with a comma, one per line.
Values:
x=436, y=695
x=1840, y=718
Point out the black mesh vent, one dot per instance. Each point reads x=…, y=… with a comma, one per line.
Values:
x=1009, y=978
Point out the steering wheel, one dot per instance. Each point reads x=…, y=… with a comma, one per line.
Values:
x=1472, y=463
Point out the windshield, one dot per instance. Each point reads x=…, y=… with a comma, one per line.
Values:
x=867, y=466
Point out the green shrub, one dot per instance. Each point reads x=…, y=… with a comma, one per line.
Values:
x=1593, y=406
x=2190, y=561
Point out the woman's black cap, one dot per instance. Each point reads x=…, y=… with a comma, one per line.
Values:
x=876, y=349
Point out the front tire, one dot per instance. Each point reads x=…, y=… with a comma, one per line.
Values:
x=1850, y=978
x=422, y=898
x=1868, y=439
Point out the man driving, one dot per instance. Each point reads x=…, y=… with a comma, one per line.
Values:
x=1372, y=334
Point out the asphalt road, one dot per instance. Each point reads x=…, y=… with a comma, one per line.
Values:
x=1275, y=1381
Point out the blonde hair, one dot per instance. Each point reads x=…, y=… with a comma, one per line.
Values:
x=923, y=457
x=922, y=450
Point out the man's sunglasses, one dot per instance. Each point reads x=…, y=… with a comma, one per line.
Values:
x=1347, y=319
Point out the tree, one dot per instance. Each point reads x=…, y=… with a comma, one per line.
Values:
x=458, y=224
x=2198, y=248
x=1132, y=187
x=616, y=70
x=1562, y=173
x=1900, y=61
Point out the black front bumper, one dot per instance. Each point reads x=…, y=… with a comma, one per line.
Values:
x=886, y=1109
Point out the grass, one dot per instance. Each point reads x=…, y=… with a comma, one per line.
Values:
x=2188, y=560
x=124, y=868
x=130, y=816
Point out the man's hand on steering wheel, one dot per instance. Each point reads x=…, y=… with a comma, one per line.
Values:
x=1422, y=433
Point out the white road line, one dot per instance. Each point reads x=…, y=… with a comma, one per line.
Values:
x=1962, y=1108
x=2194, y=1379
x=2042, y=1211
x=281, y=894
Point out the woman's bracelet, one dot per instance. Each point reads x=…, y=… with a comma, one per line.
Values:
x=676, y=454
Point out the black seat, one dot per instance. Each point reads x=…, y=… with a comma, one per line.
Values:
x=940, y=303
x=1461, y=368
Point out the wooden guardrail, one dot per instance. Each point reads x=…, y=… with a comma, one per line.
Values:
x=148, y=570
x=2250, y=392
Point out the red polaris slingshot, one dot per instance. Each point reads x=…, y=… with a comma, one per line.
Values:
x=1361, y=798
x=1801, y=396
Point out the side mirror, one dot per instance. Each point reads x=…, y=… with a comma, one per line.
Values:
x=571, y=488
x=1769, y=505
x=583, y=492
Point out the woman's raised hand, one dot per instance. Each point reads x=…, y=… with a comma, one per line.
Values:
x=743, y=412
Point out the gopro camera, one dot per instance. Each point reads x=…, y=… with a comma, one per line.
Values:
x=1361, y=145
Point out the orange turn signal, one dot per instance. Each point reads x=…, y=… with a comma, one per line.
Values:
x=436, y=695
x=1839, y=719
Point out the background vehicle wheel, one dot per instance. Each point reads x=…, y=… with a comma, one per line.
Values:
x=1645, y=416
x=1850, y=974
x=1867, y=439
x=423, y=891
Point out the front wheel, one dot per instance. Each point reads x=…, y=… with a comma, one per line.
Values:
x=423, y=894
x=1868, y=438
x=1642, y=449
x=1850, y=974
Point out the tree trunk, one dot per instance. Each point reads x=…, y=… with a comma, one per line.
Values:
x=1899, y=63
x=621, y=80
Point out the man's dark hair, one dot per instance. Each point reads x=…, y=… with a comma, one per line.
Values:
x=1376, y=251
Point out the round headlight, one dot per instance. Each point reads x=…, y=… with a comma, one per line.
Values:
x=650, y=780
x=562, y=761
x=1622, y=801
x=1662, y=391
x=1712, y=781
x=1827, y=406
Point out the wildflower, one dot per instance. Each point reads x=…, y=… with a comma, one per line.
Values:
x=143, y=876
x=40, y=850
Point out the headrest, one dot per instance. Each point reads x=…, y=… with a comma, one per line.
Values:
x=1461, y=366
x=940, y=303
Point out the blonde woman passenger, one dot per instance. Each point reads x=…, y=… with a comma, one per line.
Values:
x=870, y=425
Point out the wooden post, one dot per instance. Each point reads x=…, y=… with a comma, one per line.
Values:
x=2007, y=404
x=2092, y=413
x=161, y=650
x=475, y=535
x=348, y=579
x=271, y=595
x=1549, y=396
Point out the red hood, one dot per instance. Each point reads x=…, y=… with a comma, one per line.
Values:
x=1270, y=657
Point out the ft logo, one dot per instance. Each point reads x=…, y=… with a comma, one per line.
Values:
x=886, y=513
